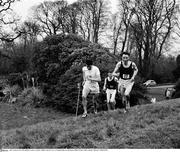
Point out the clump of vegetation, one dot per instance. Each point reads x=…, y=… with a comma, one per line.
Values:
x=3, y=83
x=11, y=93
x=15, y=90
x=31, y=96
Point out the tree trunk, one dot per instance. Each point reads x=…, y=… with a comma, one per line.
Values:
x=146, y=63
x=115, y=47
x=140, y=61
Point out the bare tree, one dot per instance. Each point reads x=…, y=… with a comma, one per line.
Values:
x=98, y=9
x=73, y=11
x=127, y=14
x=84, y=20
x=137, y=43
x=117, y=27
x=153, y=24
x=50, y=16
x=5, y=8
x=32, y=30
x=5, y=5
x=92, y=18
x=120, y=26
x=177, y=18
x=114, y=31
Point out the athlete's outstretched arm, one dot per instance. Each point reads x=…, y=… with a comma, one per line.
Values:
x=135, y=71
x=115, y=72
x=104, y=87
x=83, y=77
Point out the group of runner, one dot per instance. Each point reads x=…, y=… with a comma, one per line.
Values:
x=120, y=80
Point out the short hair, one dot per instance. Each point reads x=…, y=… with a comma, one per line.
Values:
x=125, y=53
x=89, y=62
x=110, y=70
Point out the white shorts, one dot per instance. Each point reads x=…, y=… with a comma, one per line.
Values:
x=110, y=94
x=125, y=84
x=92, y=88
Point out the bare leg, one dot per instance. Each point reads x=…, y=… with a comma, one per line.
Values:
x=109, y=107
x=95, y=97
x=113, y=105
x=127, y=93
x=127, y=101
x=84, y=103
x=108, y=100
x=124, y=100
x=112, y=99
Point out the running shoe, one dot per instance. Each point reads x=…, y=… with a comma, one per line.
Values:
x=124, y=110
x=84, y=115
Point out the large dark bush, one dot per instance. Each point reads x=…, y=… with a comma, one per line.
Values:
x=14, y=64
x=19, y=64
x=15, y=79
x=55, y=55
x=163, y=70
x=59, y=60
x=176, y=71
x=176, y=93
x=5, y=66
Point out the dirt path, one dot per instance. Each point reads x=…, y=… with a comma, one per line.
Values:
x=14, y=116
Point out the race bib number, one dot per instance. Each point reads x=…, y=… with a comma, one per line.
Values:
x=126, y=76
x=111, y=86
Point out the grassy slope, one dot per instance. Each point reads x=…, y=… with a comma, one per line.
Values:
x=16, y=116
x=147, y=126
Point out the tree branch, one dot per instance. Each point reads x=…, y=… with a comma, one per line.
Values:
x=11, y=39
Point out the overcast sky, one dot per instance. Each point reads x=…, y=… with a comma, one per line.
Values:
x=22, y=7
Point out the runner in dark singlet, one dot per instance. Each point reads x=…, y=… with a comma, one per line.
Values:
x=110, y=86
x=126, y=70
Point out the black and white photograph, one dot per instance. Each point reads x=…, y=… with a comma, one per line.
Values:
x=90, y=75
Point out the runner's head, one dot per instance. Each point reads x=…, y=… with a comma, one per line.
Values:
x=110, y=73
x=89, y=63
x=125, y=56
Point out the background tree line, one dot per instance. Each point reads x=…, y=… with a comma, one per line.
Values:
x=144, y=28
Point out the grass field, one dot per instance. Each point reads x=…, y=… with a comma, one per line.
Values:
x=16, y=116
x=158, y=93
x=146, y=126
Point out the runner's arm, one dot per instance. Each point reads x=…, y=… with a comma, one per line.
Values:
x=115, y=72
x=116, y=79
x=83, y=77
x=104, y=87
x=97, y=77
x=135, y=70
